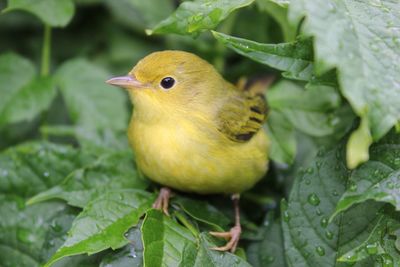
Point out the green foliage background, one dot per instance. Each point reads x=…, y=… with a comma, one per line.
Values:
x=70, y=194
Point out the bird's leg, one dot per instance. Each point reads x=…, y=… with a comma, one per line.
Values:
x=162, y=200
x=234, y=234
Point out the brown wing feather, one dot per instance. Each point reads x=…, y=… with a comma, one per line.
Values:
x=242, y=115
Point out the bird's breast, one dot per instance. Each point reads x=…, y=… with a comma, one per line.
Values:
x=188, y=156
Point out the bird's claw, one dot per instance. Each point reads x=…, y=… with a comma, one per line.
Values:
x=162, y=201
x=233, y=236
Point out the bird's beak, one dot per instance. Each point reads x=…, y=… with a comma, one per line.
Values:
x=126, y=82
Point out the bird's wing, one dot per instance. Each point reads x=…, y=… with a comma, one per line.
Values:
x=241, y=116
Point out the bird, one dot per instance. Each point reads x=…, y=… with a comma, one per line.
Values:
x=193, y=131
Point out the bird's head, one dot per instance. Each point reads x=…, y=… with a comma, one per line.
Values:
x=170, y=81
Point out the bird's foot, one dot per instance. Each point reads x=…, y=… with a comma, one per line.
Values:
x=233, y=236
x=162, y=201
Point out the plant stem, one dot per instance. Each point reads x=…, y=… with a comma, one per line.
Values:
x=46, y=50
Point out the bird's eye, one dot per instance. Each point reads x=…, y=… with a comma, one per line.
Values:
x=167, y=82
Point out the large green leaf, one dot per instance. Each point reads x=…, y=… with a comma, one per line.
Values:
x=377, y=179
x=29, y=101
x=310, y=240
x=167, y=243
x=91, y=103
x=378, y=243
x=30, y=168
x=23, y=230
x=360, y=39
x=108, y=172
x=22, y=97
x=103, y=222
x=295, y=58
x=193, y=17
x=57, y=13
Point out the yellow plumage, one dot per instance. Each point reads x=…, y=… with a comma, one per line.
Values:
x=201, y=135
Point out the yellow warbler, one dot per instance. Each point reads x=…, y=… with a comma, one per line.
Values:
x=193, y=131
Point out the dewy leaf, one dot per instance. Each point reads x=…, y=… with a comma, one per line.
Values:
x=30, y=168
x=103, y=222
x=310, y=238
x=23, y=230
x=376, y=243
x=167, y=243
x=295, y=58
x=360, y=39
x=29, y=101
x=91, y=102
x=109, y=172
x=56, y=13
x=377, y=179
x=193, y=17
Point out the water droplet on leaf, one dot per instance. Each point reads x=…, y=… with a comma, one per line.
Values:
x=320, y=250
x=313, y=199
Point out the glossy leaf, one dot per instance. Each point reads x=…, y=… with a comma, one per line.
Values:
x=365, y=53
x=193, y=17
x=56, y=13
x=377, y=244
x=30, y=168
x=377, y=179
x=103, y=222
x=295, y=58
x=91, y=103
x=109, y=172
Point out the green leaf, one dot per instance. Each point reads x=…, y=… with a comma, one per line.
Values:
x=191, y=18
x=91, y=102
x=23, y=230
x=129, y=256
x=34, y=167
x=315, y=110
x=377, y=243
x=103, y=222
x=310, y=238
x=108, y=172
x=270, y=250
x=21, y=96
x=56, y=13
x=282, y=136
x=295, y=58
x=378, y=179
x=29, y=101
x=360, y=39
x=203, y=212
x=167, y=243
